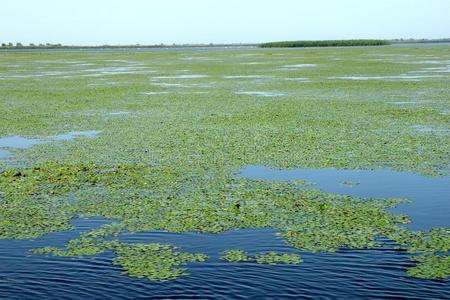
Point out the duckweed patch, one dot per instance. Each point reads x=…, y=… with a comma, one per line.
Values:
x=155, y=262
x=235, y=256
x=431, y=267
x=271, y=258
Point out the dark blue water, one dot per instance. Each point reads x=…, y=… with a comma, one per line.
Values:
x=348, y=274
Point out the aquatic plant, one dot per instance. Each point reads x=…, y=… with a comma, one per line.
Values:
x=154, y=261
x=431, y=267
x=325, y=43
x=235, y=255
x=171, y=163
x=436, y=240
x=431, y=251
x=273, y=258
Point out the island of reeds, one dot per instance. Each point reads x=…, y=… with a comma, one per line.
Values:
x=324, y=43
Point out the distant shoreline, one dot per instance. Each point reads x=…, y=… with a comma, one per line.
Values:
x=58, y=46
x=162, y=47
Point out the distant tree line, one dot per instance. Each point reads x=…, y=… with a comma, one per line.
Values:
x=30, y=46
x=445, y=40
x=60, y=46
x=325, y=43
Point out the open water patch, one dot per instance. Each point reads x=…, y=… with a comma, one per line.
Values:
x=247, y=76
x=297, y=66
x=75, y=134
x=5, y=154
x=298, y=79
x=399, y=77
x=19, y=142
x=260, y=94
x=192, y=76
x=430, y=130
x=155, y=93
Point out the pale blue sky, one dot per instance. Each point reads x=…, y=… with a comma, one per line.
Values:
x=93, y=22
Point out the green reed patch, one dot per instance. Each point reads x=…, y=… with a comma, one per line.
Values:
x=325, y=43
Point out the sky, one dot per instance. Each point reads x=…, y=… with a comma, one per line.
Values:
x=99, y=22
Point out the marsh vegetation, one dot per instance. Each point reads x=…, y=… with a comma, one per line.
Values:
x=324, y=43
x=155, y=142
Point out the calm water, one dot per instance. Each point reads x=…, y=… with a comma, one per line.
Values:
x=18, y=142
x=4, y=154
x=347, y=274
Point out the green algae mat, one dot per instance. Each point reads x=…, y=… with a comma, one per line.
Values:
x=173, y=129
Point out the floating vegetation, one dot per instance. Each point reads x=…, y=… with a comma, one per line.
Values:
x=330, y=225
x=432, y=249
x=139, y=197
x=431, y=267
x=350, y=183
x=271, y=258
x=235, y=256
x=172, y=167
x=34, y=201
x=154, y=261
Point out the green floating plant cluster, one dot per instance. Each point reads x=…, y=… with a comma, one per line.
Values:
x=182, y=141
x=35, y=201
x=155, y=262
x=431, y=251
x=235, y=255
x=431, y=267
x=271, y=258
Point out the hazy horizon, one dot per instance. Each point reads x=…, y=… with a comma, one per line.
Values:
x=142, y=22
